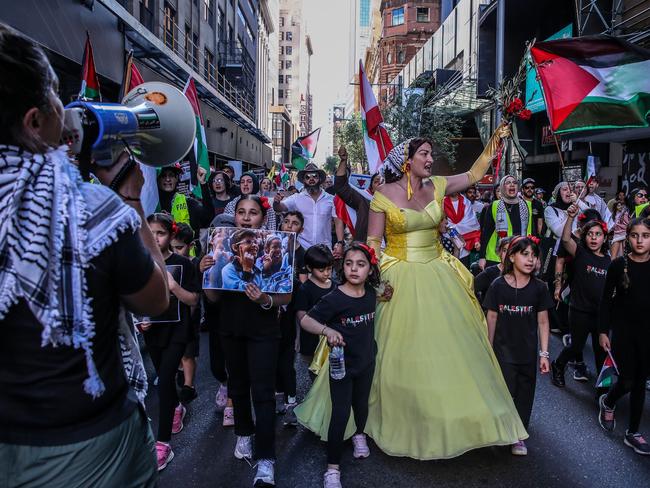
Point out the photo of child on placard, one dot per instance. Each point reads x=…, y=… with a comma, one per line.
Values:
x=173, y=313
x=244, y=256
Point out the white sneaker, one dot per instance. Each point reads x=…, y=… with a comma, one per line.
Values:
x=361, y=449
x=332, y=479
x=265, y=475
x=519, y=449
x=244, y=447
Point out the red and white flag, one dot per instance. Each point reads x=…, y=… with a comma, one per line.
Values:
x=375, y=135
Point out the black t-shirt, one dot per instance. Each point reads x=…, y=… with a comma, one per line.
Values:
x=241, y=317
x=354, y=318
x=161, y=334
x=42, y=398
x=306, y=297
x=538, y=213
x=484, y=279
x=515, y=337
x=589, y=273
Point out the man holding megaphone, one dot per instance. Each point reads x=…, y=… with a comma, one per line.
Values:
x=71, y=376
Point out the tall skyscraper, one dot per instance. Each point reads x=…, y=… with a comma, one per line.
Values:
x=360, y=27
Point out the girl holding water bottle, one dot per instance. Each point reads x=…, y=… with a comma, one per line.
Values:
x=345, y=316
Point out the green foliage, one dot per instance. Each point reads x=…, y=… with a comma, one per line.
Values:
x=419, y=116
x=350, y=135
x=331, y=162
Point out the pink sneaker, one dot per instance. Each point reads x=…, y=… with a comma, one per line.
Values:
x=222, y=398
x=179, y=415
x=361, y=449
x=519, y=449
x=228, y=417
x=164, y=454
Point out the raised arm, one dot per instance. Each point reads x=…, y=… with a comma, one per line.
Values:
x=461, y=182
x=567, y=241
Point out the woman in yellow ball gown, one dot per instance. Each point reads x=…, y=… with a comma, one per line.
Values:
x=437, y=391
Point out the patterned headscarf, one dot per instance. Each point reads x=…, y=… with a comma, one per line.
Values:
x=396, y=163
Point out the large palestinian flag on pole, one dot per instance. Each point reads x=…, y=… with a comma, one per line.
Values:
x=375, y=136
x=89, y=79
x=199, y=155
x=593, y=83
x=304, y=149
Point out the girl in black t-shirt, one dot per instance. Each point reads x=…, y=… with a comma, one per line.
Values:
x=251, y=335
x=517, y=305
x=625, y=311
x=345, y=317
x=166, y=340
x=590, y=263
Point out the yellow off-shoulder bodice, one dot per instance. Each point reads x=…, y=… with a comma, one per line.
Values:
x=412, y=235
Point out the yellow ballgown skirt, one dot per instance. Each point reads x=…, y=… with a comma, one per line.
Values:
x=437, y=391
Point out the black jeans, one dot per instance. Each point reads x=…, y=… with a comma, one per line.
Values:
x=351, y=392
x=581, y=325
x=521, y=380
x=286, y=374
x=217, y=355
x=251, y=372
x=166, y=361
x=635, y=386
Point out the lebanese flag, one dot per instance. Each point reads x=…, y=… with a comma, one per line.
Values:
x=132, y=76
x=89, y=79
x=346, y=213
x=597, y=82
x=375, y=136
x=464, y=219
x=198, y=156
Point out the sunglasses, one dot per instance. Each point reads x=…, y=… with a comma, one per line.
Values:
x=642, y=195
x=529, y=187
x=311, y=175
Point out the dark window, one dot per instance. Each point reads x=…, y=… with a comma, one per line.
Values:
x=208, y=66
x=280, y=94
x=195, y=51
x=188, y=44
x=398, y=16
x=287, y=79
x=208, y=12
x=146, y=13
x=281, y=79
x=281, y=35
x=289, y=36
x=170, y=26
x=220, y=23
x=389, y=58
x=287, y=64
x=401, y=57
x=422, y=14
x=281, y=21
x=288, y=50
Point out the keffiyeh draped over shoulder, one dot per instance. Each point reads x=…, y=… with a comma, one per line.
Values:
x=52, y=225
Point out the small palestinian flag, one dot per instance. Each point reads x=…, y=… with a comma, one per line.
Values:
x=89, y=79
x=607, y=373
x=282, y=178
x=304, y=149
x=590, y=83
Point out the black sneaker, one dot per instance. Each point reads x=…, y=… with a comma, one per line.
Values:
x=637, y=442
x=290, y=419
x=187, y=394
x=606, y=417
x=581, y=372
x=557, y=375
x=180, y=378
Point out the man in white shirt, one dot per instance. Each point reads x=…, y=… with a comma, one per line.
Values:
x=316, y=206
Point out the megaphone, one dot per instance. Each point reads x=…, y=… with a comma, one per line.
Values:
x=155, y=123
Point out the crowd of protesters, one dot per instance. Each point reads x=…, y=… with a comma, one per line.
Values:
x=574, y=265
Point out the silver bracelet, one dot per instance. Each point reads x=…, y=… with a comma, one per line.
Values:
x=270, y=304
x=544, y=354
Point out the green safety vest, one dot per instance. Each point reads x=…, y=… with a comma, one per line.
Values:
x=639, y=209
x=491, y=251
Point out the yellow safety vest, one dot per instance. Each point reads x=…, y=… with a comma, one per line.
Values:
x=491, y=250
x=639, y=208
x=180, y=212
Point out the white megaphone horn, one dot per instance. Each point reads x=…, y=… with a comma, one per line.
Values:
x=155, y=122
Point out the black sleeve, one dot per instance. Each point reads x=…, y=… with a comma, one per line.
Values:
x=301, y=302
x=545, y=301
x=491, y=300
x=348, y=194
x=325, y=309
x=487, y=229
x=481, y=284
x=206, y=199
x=191, y=280
x=200, y=216
x=132, y=263
x=614, y=273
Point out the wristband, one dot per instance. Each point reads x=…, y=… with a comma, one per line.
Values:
x=322, y=331
x=268, y=306
x=544, y=354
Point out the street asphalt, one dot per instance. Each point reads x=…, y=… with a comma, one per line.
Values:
x=567, y=448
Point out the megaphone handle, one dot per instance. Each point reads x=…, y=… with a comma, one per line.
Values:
x=121, y=175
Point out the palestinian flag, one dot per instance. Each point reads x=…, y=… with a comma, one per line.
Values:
x=304, y=149
x=132, y=76
x=89, y=80
x=282, y=178
x=597, y=82
x=198, y=157
x=607, y=373
x=375, y=136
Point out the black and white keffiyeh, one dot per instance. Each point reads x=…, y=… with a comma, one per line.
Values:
x=395, y=159
x=52, y=225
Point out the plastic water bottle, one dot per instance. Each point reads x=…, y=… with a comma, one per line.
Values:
x=337, y=363
x=456, y=238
